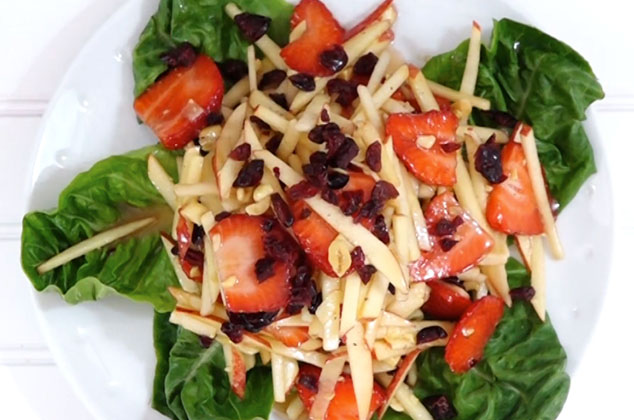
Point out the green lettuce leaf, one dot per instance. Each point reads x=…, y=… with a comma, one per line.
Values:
x=522, y=375
x=197, y=386
x=542, y=81
x=115, y=188
x=206, y=26
x=164, y=334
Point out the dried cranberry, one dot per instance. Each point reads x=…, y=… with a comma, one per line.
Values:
x=183, y=55
x=320, y=133
x=380, y=229
x=444, y=227
x=305, y=213
x=366, y=272
x=391, y=289
x=358, y=257
x=318, y=158
x=303, y=81
x=281, y=210
x=450, y=146
x=252, y=321
x=252, y=26
x=309, y=382
x=316, y=174
x=302, y=276
x=233, y=70
x=316, y=300
x=334, y=140
x=241, y=152
x=264, y=268
x=267, y=225
x=198, y=234
x=301, y=190
x=272, y=79
x=274, y=143
x=429, y=334
x=373, y=156
x=280, y=99
x=457, y=221
x=526, y=293
x=215, y=118
x=276, y=172
x=365, y=65
x=260, y=123
x=440, y=407
x=334, y=59
x=174, y=250
x=383, y=191
x=195, y=258
x=281, y=249
x=203, y=152
x=370, y=209
x=344, y=154
x=447, y=243
x=325, y=116
x=250, y=175
x=233, y=331
x=488, y=161
x=501, y=118
x=351, y=202
x=205, y=341
x=346, y=91
x=222, y=215
x=329, y=196
x=337, y=180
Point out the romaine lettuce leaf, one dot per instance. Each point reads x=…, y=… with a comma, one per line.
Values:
x=539, y=80
x=206, y=26
x=94, y=201
x=164, y=335
x=522, y=375
x=197, y=386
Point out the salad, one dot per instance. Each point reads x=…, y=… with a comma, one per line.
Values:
x=327, y=230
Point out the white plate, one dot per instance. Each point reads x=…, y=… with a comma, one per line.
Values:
x=105, y=348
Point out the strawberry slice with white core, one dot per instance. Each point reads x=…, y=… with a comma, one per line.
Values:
x=238, y=242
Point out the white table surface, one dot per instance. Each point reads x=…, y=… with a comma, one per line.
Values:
x=40, y=39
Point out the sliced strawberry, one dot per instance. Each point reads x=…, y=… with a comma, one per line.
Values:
x=322, y=33
x=446, y=301
x=432, y=166
x=512, y=207
x=189, y=258
x=466, y=344
x=237, y=373
x=343, y=405
x=443, y=103
x=289, y=336
x=241, y=245
x=464, y=248
x=177, y=105
x=370, y=19
x=404, y=94
x=314, y=235
x=359, y=181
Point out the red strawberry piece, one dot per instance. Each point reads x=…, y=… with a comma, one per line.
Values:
x=241, y=246
x=463, y=248
x=512, y=207
x=343, y=405
x=466, y=344
x=289, y=336
x=370, y=19
x=189, y=258
x=323, y=32
x=314, y=235
x=432, y=166
x=446, y=301
x=177, y=105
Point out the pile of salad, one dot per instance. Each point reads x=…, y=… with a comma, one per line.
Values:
x=326, y=229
